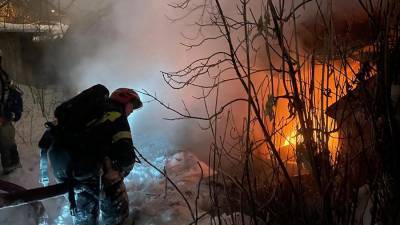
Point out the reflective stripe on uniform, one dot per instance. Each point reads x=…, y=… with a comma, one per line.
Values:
x=121, y=135
x=111, y=116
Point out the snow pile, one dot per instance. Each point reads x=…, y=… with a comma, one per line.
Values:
x=57, y=30
x=155, y=201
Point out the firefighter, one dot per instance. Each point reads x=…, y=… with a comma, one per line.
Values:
x=10, y=112
x=99, y=189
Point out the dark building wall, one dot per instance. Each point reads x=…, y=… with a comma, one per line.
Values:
x=28, y=62
x=10, y=46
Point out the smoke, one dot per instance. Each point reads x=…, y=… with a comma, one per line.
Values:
x=345, y=22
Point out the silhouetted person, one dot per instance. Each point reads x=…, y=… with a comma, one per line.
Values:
x=10, y=112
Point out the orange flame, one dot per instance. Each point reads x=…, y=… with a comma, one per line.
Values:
x=329, y=83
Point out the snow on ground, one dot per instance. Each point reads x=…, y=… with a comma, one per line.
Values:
x=156, y=201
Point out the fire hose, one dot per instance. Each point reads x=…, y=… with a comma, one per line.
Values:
x=22, y=196
x=16, y=195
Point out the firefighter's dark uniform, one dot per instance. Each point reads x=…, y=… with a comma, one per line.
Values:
x=10, y=111
x=109, y=139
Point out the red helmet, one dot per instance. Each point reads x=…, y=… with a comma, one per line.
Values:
x=125, y=96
